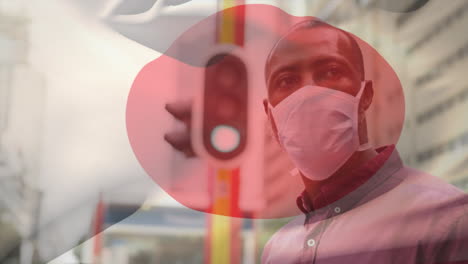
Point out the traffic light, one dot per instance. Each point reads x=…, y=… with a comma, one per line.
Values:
x=220, y=130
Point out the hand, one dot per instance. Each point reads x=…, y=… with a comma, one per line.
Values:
x=180, y=140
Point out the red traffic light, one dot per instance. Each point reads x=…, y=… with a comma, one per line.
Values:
x=225, y=103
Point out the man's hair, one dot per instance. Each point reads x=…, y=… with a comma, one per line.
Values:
x=356, y=54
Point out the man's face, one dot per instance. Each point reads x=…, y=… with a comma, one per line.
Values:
x=320, y=56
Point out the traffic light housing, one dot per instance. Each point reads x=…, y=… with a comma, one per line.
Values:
x=220, y=125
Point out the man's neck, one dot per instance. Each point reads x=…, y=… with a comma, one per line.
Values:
x=358, y=159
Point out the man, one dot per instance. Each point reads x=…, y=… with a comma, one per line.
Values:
x=360, y=205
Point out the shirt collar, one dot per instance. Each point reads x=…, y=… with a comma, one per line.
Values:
x=345, y=192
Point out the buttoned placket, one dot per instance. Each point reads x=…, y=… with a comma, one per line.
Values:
x=316, y=224
x=318, y=221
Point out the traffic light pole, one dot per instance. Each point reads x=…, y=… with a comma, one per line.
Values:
x=224, y=231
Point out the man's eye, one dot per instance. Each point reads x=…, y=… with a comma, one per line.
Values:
x=333, y=73
x=288, y=82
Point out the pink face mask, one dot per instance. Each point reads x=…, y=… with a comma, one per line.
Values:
x=318, y=128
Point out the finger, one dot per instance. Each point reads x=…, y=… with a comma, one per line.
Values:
x=180, y=141
x=181, y=110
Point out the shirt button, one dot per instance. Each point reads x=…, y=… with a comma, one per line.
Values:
x=337, y=210
x=311, y=242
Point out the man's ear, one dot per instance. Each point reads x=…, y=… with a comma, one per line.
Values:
x=274, y=130
x=265, y=106
x=367, y=96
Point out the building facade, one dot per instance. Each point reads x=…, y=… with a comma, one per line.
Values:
x=428, y=50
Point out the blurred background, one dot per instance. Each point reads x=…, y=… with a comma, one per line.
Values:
x=67, y=171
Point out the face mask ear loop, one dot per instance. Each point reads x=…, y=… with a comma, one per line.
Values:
x=367, y=145
x=270, y=114
x=272, y=119
x=361, y=91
